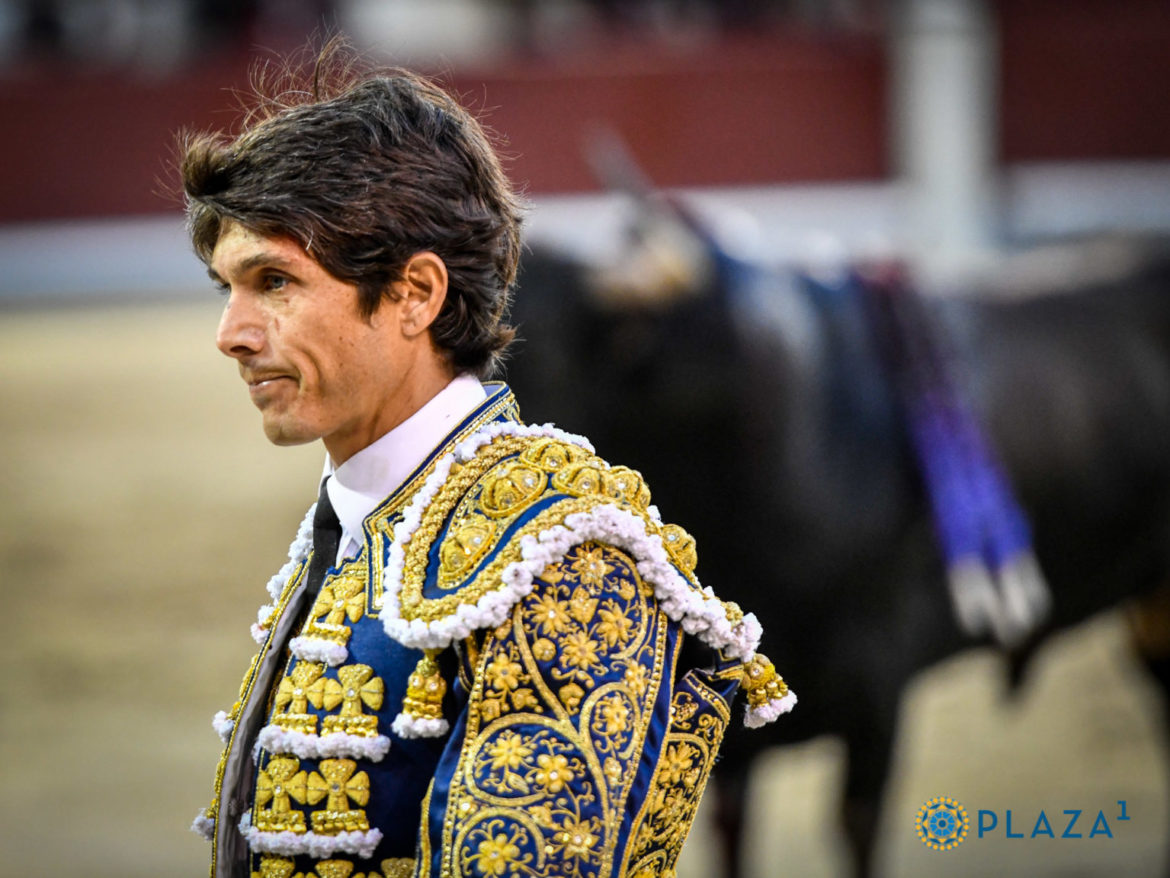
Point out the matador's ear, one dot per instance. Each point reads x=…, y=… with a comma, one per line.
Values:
x=421, y=291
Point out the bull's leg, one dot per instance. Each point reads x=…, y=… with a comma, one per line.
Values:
x=1149, y=624
x=730, y=788
x=867, y=753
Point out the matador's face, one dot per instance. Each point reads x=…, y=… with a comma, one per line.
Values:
x=314, y=366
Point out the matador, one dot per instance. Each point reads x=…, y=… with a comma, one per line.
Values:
x=488, y=652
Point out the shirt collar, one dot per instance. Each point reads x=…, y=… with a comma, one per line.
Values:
x=374, y=473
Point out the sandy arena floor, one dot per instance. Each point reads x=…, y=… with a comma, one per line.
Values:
x=144, y=511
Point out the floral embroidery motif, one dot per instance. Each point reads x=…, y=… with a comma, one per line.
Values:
x=550, y=615
x=498, y=854
x=543, y=780
x=555, y=731
x=699, y=718
x=507, y=686
x=590, y=567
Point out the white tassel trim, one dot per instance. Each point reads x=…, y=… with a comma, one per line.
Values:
x=260, y=626
x=274, y=739
x=302, y=544
x=298, y=551
x=317, y=649
x=407, y=726
x=223, y=725
x=769, y=712
x=290, y=844
x=203, y=826
x=699, y=613
x=467, y=449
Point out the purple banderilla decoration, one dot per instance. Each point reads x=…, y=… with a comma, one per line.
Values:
x=983, y=532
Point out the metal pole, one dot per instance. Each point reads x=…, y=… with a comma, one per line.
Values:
x=944, y=79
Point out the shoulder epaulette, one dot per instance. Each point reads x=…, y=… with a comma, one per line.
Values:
x=510, y=501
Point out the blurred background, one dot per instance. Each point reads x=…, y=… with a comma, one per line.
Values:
x=985, y=147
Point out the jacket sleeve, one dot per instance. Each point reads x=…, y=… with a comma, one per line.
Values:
x=548, y=767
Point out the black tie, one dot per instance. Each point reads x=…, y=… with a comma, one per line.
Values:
x=326, y=539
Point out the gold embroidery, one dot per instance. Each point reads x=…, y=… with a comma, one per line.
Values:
x=465, y=546
x=378, y=528
x=488, y=577
x=295, y=692
x=512, y=490
x=280, y=781
x=281, y=867
x=623, y=483
x=415, y=606
x=497, y=854
x=508, y=685
x=761, y=682
x=590, y=568
x=680, y=545
x=679, y=779
x=544, y=650
x=482, y=497
x=458, y=483
x=734, y=613
x=425, y=689
x=358, y=686
x=398, y=867
x=582, y=606
x=275, y=867
x=324, y=693
x=342, y=598
x=540, y=789
x=580, y=478
x=551, y=454
x=577, y=837
x=339, y=783
x=212, y=810
x=334, y=868
x=424, y=844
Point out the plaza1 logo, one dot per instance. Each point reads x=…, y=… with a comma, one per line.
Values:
x=942, y=823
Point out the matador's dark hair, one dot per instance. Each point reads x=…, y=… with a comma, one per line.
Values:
x=364, y=169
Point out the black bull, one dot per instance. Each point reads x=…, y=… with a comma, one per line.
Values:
x=777, y=441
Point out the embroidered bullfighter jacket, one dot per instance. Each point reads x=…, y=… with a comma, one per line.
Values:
x=495, y=684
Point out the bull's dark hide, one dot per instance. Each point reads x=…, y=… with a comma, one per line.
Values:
x=764, y=424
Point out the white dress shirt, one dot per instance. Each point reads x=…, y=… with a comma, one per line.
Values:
x=374, y=473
